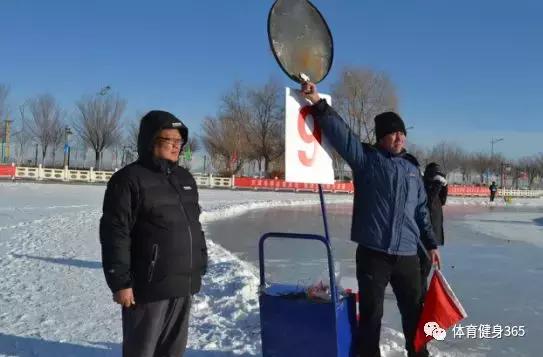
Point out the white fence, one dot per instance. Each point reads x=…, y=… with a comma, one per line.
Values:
x=520, y=193
x=211, y=181
x=68, y=175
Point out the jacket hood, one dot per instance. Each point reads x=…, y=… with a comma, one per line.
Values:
x=150, y=126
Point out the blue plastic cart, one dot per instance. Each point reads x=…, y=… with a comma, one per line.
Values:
x=293, y=325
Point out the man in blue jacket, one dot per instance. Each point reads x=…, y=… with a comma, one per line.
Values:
x=390, y=218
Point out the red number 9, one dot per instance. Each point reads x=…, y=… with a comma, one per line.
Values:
x=312, y=137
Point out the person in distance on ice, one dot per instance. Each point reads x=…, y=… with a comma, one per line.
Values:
x=493, y=189
x=153, y=248
x=390, y=218
x=435, y=184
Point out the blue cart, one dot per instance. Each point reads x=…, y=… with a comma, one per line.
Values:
x=293, y=325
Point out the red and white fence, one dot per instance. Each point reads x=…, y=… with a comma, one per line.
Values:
x=278, y=185
x=7, y=171
x=68, y=175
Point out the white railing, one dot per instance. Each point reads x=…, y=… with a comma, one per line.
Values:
x=69, y=175
x=211, y=181
x=519, y=193
x=66, y=174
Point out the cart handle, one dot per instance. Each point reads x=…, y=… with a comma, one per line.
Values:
x=333, y=288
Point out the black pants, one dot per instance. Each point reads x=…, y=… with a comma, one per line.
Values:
x=374, y=270
x=156, y=329
x=425, y=268
x=492, y=196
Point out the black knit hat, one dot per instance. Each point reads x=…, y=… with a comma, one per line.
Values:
x=388, y=122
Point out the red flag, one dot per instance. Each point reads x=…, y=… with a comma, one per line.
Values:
x=441, y=311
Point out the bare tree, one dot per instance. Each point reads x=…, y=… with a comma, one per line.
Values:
x=265, y=128
x=447, y=155
x=420, y=153
x=45, y=121
x=99, y=121
x=532, y=167
x=225, y=143
x=484, y=165
x=192, y=146
x=57, y=140
x=465, y=164
x=359, y=95
x=22, y=135
x=132, y=138
x=226, y=136
x=481, y=164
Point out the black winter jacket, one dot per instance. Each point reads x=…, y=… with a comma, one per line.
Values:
x=437, y=196
x=152, y=240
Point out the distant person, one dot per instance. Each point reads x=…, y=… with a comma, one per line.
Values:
x=435, y=184
x=390, y=217
x=493, y=189
x=153, y=249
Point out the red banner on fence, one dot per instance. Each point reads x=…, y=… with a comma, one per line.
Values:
x=339, y=186
x=272, y=184
x=460, y=190
x=7, y=171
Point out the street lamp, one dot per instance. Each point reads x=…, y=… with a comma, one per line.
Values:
x=67, y=131
x=104, y=90
x=492, y=142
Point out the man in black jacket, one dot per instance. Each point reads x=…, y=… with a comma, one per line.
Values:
x=435, y=184
x=153, y=247
x=493, y=189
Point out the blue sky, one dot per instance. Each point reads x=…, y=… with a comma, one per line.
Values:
x=466, y=71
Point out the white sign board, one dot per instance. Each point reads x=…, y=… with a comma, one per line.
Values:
x=306, y=156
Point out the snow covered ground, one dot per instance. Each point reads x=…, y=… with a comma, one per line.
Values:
x=54, y=300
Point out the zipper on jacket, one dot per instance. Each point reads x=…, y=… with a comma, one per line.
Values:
x=154, y=258
x=188, y=229
x=190, y=241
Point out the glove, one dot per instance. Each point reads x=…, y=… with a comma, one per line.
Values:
x=441, y=180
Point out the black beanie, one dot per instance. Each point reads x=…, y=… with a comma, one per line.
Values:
x=388, y=122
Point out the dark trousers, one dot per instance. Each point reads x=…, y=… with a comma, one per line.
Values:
x=374, y=270
x=425, y=268
x=492, y=196
x=156, y=329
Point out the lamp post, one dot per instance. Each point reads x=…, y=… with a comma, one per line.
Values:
x=492, y=142
x=36, y=159
x=104, y=90
x=67, y=132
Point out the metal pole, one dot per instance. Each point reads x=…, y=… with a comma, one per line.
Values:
x=323, y=209
x=491, y=149
x=67, y=132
